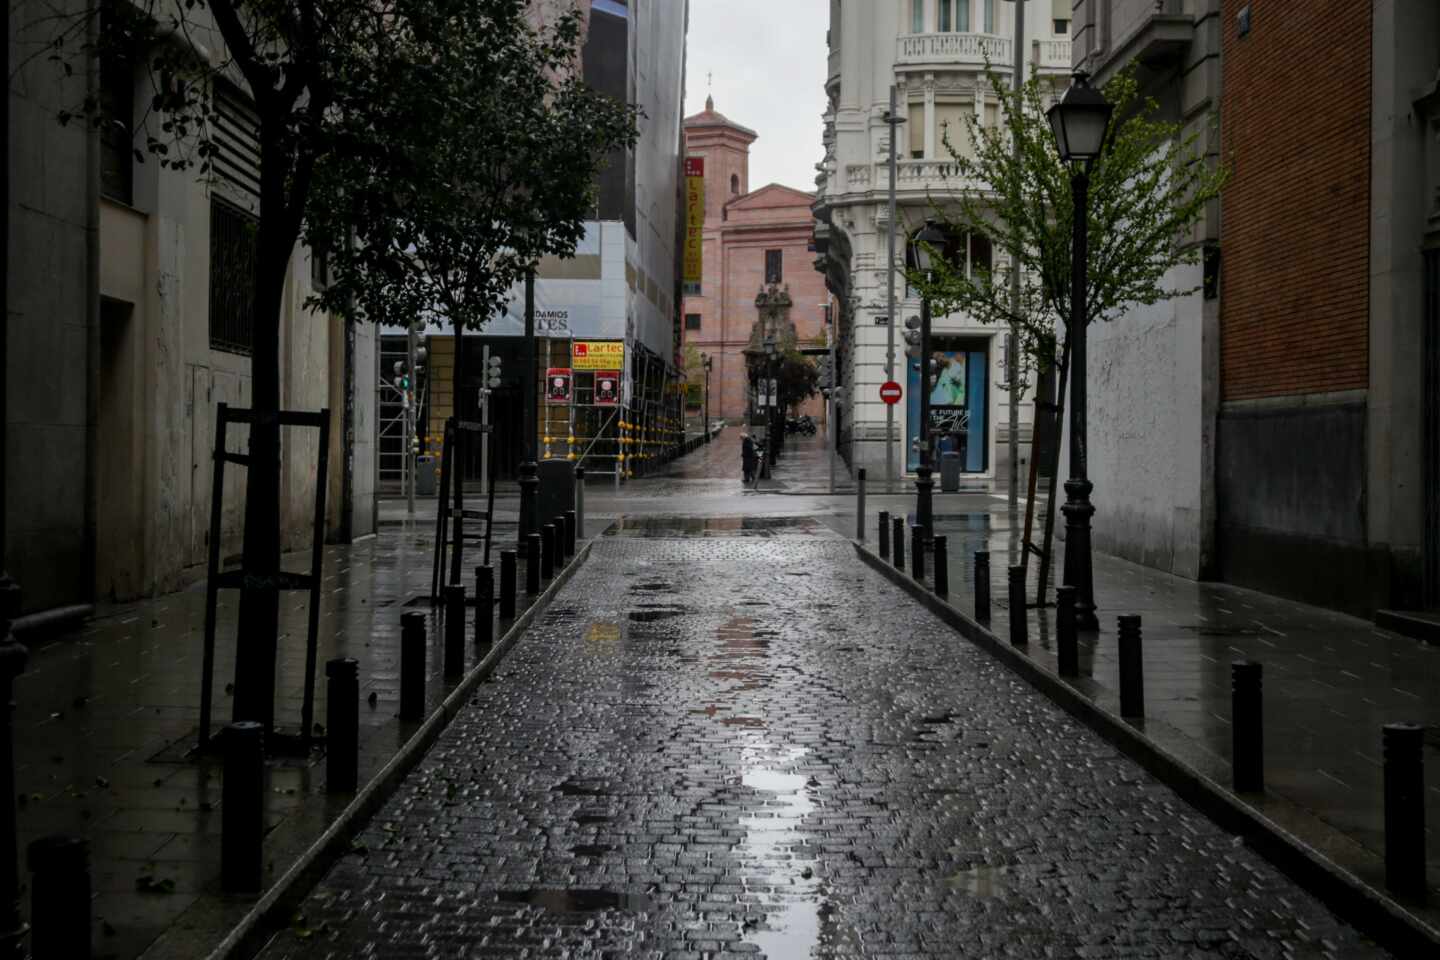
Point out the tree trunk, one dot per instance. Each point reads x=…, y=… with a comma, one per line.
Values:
x=256, y=640
x=258, y=628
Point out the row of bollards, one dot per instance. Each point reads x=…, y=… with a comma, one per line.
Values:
x=1402, y=743
x=61, y=886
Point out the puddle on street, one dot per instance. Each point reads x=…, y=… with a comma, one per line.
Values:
x=663, y=527
x=792, y=924
x=577, y=901
x=981, y=881
x=651, y=614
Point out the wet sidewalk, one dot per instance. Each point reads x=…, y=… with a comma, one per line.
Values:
x=106, y=716
x=752, y=744
x=1330, y=682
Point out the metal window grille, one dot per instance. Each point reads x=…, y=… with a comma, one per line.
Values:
x=233, y=253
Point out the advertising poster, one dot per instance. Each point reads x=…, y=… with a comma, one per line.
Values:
x=694, y=224
x=598, y=355
x=557, y=385
x=958, y=398
x=607, y=387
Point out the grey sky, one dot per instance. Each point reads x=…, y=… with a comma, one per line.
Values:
x=768, y=59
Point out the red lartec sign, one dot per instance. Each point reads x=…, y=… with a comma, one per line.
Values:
x=890, y=392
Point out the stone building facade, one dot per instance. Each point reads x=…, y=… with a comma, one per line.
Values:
x=1281, y=428
x=934, y=54
x=124, y=335
x=751, y=240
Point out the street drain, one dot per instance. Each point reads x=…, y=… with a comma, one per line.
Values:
x=576, y=901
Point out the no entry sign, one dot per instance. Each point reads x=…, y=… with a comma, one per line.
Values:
x=890, y=392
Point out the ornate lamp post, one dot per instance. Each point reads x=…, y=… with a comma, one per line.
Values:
x=1079, y=121
x=922, y=253
x=709, y=362
x=772, y=390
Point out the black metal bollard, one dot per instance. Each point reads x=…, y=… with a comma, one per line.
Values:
x=1404, y=809
x=917, y=552
x=982, y=586
x=532, y=564
x=571, y=535
x=342, y=725
x=1019, y=627
x=242, y=808
x=942, y=566
x=484, y=605
x=59, y=898
x=1132, y=673
x=884, y=535
x=1247, y=727
x=557, y=552
x=412, y=665
x=454, y=595
x=508, y=584
x=580, y=503
x=547, y=552
x=897, y=542
x=860, y=505
x=1067, y=649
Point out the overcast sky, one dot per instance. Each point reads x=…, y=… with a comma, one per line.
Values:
x=768, y=61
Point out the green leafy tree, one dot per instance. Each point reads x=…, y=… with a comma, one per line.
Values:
x=1148, y=191
x=484, y=169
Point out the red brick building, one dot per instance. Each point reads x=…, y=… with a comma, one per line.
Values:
x=751, y=238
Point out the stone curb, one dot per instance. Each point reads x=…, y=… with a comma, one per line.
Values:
x=1389, y=923
x=273, y=910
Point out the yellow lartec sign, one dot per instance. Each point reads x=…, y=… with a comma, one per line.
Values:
x=694, y=225
x=598, y=355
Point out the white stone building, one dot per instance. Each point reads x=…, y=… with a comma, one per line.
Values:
x=934, y=53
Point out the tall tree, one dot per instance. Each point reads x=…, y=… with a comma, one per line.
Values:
x=327, y=78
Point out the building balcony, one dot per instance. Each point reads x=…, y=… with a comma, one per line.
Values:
x=937, y=51
x=1051, y=55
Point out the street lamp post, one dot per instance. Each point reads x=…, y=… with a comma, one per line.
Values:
x=772, y=390
x=709, y=362
x=922, y=248
x=1079, y=121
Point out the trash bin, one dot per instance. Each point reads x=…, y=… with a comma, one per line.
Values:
x=949, y=472
x=425, y=476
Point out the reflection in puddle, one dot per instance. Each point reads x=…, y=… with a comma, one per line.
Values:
x=653, y=526
x=792, y=925
x=576, y=901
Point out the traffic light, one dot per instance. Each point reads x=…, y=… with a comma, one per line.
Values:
x=492, y=374
x=402, y=377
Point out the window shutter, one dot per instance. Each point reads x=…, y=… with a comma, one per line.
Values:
x=1060, y=9
x=237, y=139
x=916, y=127
x=955, y=117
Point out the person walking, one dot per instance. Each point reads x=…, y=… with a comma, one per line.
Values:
x=748, y=460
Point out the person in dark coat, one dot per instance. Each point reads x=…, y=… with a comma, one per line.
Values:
x=748, y=459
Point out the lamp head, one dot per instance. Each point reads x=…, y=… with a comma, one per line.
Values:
x=1079, y=120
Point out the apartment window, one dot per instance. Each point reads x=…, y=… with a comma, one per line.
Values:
x=953, y=123
x=235, y=130
x=989, y=16
x=917, y=16
x=319, y=269
x=943, y=12
x=962, y=16
x=1062, y=28
x=233, y=249
x=734, y=185
x=773, y=271
x=117, y=106
x=692, y=321
x=916, y=127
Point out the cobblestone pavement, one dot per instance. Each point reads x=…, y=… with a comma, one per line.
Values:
x=754, y=744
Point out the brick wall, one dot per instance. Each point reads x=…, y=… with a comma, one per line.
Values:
x=1295, y=127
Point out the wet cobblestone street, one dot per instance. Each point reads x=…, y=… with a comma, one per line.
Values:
x=732, y=739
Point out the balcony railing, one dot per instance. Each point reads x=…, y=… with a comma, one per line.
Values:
x=941, y=49
x=1052, y=55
